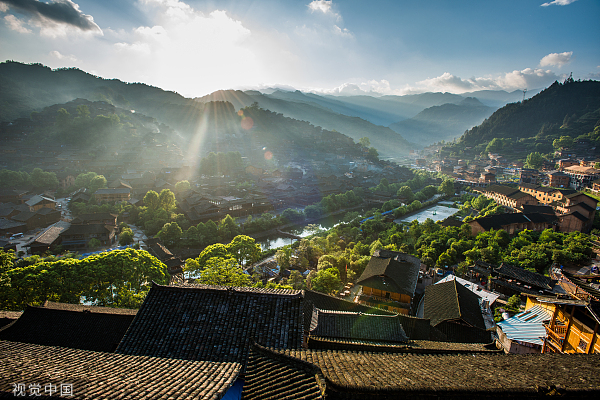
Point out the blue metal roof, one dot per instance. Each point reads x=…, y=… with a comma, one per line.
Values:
x=526, y=326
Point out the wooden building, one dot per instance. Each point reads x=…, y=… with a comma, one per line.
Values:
x=507, y=196
x=389, y=281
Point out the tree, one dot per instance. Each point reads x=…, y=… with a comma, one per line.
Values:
x=373, y=154
x=365, y=142
x=296, y=280
x=223, y=272
x=563, y=142
x=166, y=199
x=282, y=257
x=170, y=234
x=97, y=182
x=85, y=180
x=534, y=160
x=447, y=187
x=326, y=281
x=244, y=249
x=126, y=236
x=43, y=180
x=406, y=193
x=151, y=200
x=182, y=186
x=94, y=243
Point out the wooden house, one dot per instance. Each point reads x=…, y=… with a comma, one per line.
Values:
x=389, y=281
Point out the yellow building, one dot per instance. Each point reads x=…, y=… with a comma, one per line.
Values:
x=573, y=325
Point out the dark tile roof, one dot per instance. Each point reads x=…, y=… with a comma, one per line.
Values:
x=87, y=229
x=70, y=325
x=98, y=375
x=415, y=328
x=576, y=214
x=392, y=272
x=360, y=375
x=413, y=346
x=540, y=209
x=275, y=376
x=521, y=274
x=7, y=317
x=452, y=301
x=213, y=323
x=505, y=190
x=499, y=220
x=323, y=301
x=350, y=325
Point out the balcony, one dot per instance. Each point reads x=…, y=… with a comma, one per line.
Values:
x=556, y=336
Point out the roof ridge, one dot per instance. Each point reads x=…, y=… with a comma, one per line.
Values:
x=457, y=299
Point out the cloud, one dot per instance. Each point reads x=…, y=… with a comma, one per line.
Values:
x=372, y=87
x=59, y=12
x=515, y=80
x=16, y=24
x=559, y=3
x=59, y=56
x=342, y=32
x=323, y=6
x=556, y=59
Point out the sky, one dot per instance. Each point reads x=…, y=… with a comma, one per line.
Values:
x=340, y=47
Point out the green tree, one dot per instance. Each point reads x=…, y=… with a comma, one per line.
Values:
x=534, y=160
x=97, y=182
x=43, y=180
x=296, y=280
x=244, y=249
x=94, y=243
x=406, y=193
x=563, y=142
x=223, y=272
x=447, y=187
x=151, y=200
x=166, y=200
x=182, y=186
x=326, y=281
x=365, y=142
x=170, y=234
x=126, y=236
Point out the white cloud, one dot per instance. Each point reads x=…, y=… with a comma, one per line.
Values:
x=559, y=3
x=515, y=80
x=3, y=7
x=372, y=87
x=342, y=32
x=556, y=59
x=15, y=24
x=324, y=6
x=58, y=55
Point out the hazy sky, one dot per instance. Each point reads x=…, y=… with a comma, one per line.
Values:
x=195, y=47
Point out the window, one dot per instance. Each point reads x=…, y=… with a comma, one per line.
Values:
x=582, y=345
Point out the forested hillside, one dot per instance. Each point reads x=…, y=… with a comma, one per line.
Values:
x=570, y=109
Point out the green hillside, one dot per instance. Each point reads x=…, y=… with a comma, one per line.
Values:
x=570, y=109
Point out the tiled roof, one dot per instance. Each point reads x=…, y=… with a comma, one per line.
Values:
x=391, y=272
x=70, y=325
x=451, y=301
x=213, y=323
x=277, y=376
x=326, y=302
x=523, y=275
x=98, y=375
x=7, y=317
x=413, y=346
x=415, y=328
x=350, y=325
x=505, y=190
x=50, y=234
x=360, y=375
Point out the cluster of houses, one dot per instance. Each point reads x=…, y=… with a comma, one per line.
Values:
x=198, y=341
x=21, y=212
x=536, y=208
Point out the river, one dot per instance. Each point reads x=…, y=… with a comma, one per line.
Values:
x=436, y=213
x=276, y=241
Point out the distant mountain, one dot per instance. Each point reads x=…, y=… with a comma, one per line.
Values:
x=385, y=140
x=570, y=109
x=499, y=98
x=444, y=122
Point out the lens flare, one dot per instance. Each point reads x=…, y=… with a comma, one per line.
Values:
x=247, y=123
x=268, y=155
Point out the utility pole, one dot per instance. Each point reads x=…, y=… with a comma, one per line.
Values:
x=524, y=91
